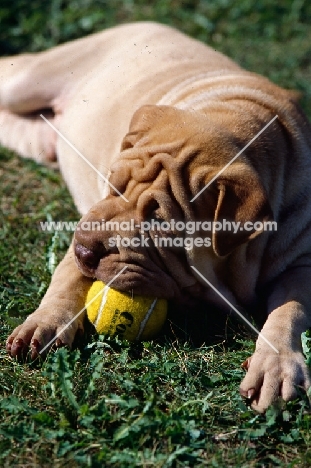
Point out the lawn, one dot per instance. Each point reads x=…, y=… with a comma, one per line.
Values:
x=165, y=403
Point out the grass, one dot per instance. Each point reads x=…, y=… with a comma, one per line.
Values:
x=107, y=403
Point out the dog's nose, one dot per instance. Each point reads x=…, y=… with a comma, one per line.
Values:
x=89, y=258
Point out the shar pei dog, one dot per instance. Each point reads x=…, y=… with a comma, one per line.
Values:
x=148, y=125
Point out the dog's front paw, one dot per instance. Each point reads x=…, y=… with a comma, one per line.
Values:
x=271, y=375
x=43, y=330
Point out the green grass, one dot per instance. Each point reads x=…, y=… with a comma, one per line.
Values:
x=109, y=404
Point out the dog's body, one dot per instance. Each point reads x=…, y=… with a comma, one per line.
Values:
x=199, y=111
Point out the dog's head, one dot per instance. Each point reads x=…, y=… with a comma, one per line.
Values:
x=167, y=158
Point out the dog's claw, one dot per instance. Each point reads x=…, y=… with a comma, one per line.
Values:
x=18, y=348
x=59, y=343
x=35, y=346
x=249, y=394
x=246, y=363
x=8, y=344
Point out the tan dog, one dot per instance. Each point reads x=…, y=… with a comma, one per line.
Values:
x=189, y=110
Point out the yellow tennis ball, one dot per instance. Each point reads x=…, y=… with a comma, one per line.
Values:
x=120, y=314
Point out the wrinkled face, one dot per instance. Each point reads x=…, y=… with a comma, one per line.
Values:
x=156, y=231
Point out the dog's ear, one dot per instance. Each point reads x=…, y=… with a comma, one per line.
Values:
x=143, y=120
x=242, y=199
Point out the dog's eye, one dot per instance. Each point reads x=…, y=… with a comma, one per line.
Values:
x=157, y=214
x=152, y=209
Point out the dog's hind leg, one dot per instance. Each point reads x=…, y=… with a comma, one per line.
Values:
x=22, y=98
x=31, y=83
